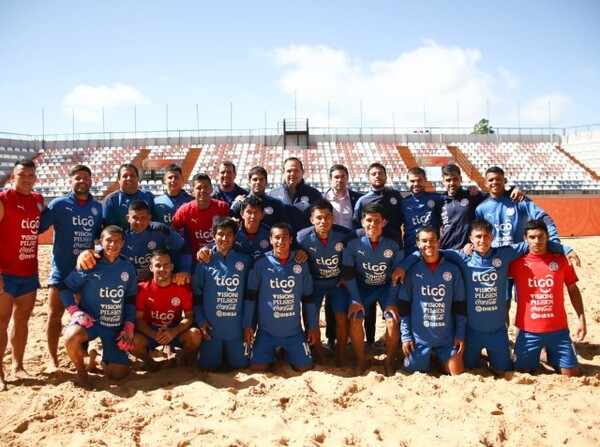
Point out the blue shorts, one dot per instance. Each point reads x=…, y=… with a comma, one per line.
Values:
x=110, y=351
x=217, y=352
x=56, y=276
x=336, y=296
x=20, y=285
x=559, y=349
x=153, y=344
x=295, y=349
x=495, y=343
x=372, y=294
x=420, y=359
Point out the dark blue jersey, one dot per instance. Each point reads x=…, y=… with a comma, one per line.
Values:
x=115, y=206
x=390, y=199
x=228, y=197
x=219, y=288
x=138, y=248
x=325, y=260
x=258, y=246
x=280, y=291
x=297, y=206
x=76, y=227
x=107, y=292
x=455, y=214
x=418, y=211
x=509, y=218
x=274, y=210
x=432, y=297
x=166, y=205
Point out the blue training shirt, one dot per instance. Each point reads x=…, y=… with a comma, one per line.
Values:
x=419, y=212
x=166, y=205
x=115, y=206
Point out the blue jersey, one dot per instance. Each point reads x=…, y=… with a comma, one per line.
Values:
x=455, y=214
x=166, y=205
x=298, y=205
x=76, y=227
x=274, y=210
x=219, y=288
x=228, y=197
x=107, y=292
x=325, y=260
x=368, y=266
x=390, y=199
x=509, y=218
x=138, y=247
x=258, y=246
x=280, y=291
x=418, y=211
x=115, y=206
x=432, y=296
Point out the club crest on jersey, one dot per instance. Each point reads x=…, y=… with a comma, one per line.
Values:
x=339, y=246
x=269, y=210
x=430, y=203
x=239, y=266
x=553, y=266
x=297, y=269
x=510, y=212
x=393, y=201
x=447, y=276
x=496, y=262
x=388, y=253
x=304, y=199
x=464, y=202
x=264, y=243
x=40, y=207
x=175, y=301
x=124, y=276
x=94, y=211
x=151, y=245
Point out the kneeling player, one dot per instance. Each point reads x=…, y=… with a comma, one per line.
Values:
x=164, y=314
x=219, y=287
x=106, y=309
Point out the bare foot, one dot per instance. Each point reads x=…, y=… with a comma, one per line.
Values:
x=84, y=381
x=51, y=367
x=92, y=364
x=20, y=373
x=389, y=368
x=361, y=367
x=3, y=386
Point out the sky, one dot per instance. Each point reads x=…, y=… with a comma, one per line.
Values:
x=119, y=66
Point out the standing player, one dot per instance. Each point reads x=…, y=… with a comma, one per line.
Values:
x=281, y=289
x=106, y=309
x=116, y=204
x=369, y=257
x=77, y=221
x=540, y=277
x=20, y=210
x=324, y=242
x=274, y=209
x=432, y=309
x=227, y=190
x=219, y=287
x=341, y=197
x=164, y=314
x=295, y=194
x=166, y=204
x=196, y=217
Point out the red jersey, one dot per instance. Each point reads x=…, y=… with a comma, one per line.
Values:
x=198, y=223
x=19, y=232
x=163, y=306
x=540, y=281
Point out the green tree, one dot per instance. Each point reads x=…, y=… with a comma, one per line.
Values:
x=482, y=127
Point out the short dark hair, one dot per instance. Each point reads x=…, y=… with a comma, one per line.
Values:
x=228, y=163
x=138, y=205
x=223, y=222
x=376, y=165
x=128, y=166
x=495, y=170
x=25, y=162
x=373, y=208
x=258, y=170
x=481, y=224
x=416, y=171
x=113, y=229
x=78, y=168
x=321, y=205
x=173, y=167
x=254, y=202
x=338, y=168
x=429, y=229
x=450, y=169
x=536, y=224
x=201, y=176
x=296, y=159
x=281, y=225
x=161, y=252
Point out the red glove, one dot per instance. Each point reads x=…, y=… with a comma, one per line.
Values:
x=125, y=338
x=80, y=317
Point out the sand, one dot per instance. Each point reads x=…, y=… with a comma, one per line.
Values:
x=323, y=407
